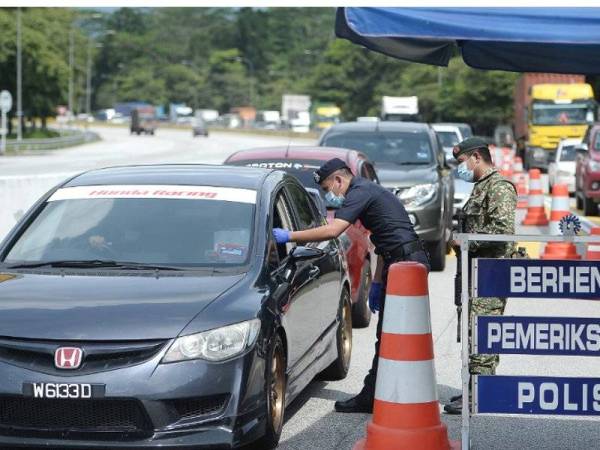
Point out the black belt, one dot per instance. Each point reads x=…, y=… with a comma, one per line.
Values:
x=403, y=251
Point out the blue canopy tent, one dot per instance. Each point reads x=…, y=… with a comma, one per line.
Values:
x=558, y=40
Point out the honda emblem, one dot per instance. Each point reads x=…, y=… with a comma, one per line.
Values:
x=68, y=357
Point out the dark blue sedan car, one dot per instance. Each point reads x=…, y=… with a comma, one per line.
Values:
x=149, y=306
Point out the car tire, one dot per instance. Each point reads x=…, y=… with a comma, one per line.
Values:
x=437, y=255
x=361, y=314
x=338, y=369
x=590, y=208
x=275, y=387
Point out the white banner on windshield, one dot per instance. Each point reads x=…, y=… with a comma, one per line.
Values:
x=156, y=191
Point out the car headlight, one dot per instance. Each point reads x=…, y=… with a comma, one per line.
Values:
x=417, y=195
x=214, y=345
x=594, y=166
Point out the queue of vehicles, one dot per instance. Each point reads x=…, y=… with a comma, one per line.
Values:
x=189, y=325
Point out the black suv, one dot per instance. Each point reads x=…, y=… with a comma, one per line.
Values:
x=410, y=162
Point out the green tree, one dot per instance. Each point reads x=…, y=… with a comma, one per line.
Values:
x=45, y=37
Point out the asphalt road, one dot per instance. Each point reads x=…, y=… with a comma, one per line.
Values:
x=311, y=422
x=24, y=178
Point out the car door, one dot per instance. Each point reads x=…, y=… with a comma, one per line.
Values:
x=320, y=298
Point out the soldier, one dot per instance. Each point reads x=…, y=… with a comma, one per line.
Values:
x=489, y=210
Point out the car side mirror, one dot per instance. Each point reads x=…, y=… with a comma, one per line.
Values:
x=301, y=253
x=581, y=149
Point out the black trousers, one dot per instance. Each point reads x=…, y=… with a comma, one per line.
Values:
x=368, y=390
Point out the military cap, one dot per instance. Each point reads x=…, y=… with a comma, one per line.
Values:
x=468, y=145
x=328, y=168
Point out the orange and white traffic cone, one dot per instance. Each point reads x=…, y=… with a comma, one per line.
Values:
x=522, y=201
x=560, y=209
x=536, y=214
x=406, y=412
x=593, y=249
x=518, y=170
x=506, y=169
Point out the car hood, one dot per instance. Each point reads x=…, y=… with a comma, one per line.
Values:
x=85, y=307
x=394, y=175
x=567, y=166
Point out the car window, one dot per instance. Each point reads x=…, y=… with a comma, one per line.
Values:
x=596, y=138
x=448, y=138
x=302, y=204
x=568, y=153
x=367, y=171
x=465, y=131
x=168, y=231
x=399, y=147
x=282, y=218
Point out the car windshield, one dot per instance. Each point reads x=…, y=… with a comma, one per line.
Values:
x=448, y=138
x=184, y=226
x=301, y=169
x=466, y=131
x=393, y=147
x=550, y=114
x=568, y=153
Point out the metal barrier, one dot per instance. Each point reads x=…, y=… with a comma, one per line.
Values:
x=513, y=278
x=68, y=138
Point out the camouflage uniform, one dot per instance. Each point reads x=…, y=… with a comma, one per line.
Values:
x=489, y=210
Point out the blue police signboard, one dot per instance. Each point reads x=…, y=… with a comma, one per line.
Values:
x=537, y=335
x=537, y=395
x=537, y=278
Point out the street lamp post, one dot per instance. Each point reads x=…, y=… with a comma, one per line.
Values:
x=19, y=79
x=71, y=64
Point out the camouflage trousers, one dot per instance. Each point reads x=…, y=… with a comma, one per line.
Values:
x=484, y=306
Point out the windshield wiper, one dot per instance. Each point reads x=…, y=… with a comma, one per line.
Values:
x=94, y=263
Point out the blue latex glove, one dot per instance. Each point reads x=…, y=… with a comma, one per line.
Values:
x=375, y=296
x=281, y=236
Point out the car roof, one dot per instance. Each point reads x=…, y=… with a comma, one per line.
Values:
x=444, y=127
x=452, y=124
x=298, y=153
x=175, y=174
x=380, y=126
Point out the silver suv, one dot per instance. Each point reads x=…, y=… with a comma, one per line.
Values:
x=410, y=162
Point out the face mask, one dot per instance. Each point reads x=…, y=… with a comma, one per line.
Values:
x=334, y=201
x=464, y=173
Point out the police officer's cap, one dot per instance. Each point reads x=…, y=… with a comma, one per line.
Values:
x=328, y=168
x=468, y=145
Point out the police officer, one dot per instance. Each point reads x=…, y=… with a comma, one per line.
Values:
x=391, y=231
x=489, y=210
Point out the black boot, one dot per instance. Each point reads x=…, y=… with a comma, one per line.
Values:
x=358, y=404
x=455, y=406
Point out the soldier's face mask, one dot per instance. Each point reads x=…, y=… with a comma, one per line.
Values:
x=464, y=173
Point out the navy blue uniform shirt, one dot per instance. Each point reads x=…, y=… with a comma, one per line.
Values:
x=380, y=212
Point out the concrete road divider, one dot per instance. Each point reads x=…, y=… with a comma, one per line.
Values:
x=406, y=411
x=18, y=193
